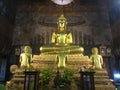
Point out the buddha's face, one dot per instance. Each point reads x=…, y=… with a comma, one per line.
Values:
x=62, y=23
x=95, y=50
x=27, y=49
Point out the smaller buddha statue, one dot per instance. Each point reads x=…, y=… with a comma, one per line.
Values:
x=26, y=57
x=96, y=59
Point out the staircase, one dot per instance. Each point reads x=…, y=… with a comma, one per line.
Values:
x=102, y=80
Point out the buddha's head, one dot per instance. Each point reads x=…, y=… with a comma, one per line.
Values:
x=27, y=49
x=95, y=50
x=62, y=22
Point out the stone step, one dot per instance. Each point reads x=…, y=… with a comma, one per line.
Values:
x=18, y=76
x=101, y=71
x=101, y=77
x=101, y=74
x=104, y=87
x=102, y=81
x=17, y=80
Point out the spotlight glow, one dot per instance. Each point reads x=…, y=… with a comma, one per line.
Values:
x=111, y=80
x=62, y=2
x=117, y=75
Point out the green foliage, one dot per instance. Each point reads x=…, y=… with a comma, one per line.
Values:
x=46, y=76
x=68, y=75
x=2, y=87
x=64, y=79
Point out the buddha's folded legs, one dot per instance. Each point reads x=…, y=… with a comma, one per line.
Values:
x=61, y=49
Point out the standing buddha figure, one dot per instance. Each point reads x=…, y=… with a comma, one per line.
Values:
x=96, y=59
x=26, y=57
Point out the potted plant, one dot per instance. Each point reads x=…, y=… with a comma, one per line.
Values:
x=46, y=77
x=63, y=79
x=68, y=76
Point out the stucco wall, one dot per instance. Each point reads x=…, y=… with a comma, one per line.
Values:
x=35, y=22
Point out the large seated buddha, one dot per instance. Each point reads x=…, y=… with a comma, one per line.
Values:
x=61, y=51
x=61, y=41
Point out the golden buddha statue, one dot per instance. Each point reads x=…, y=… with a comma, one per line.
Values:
x=61, y=37
x=61, y=40
x=96, y=59
x=61, y=51
x=26, y=57
x=61, y=44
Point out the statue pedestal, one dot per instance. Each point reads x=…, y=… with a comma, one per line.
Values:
x=74, y=61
